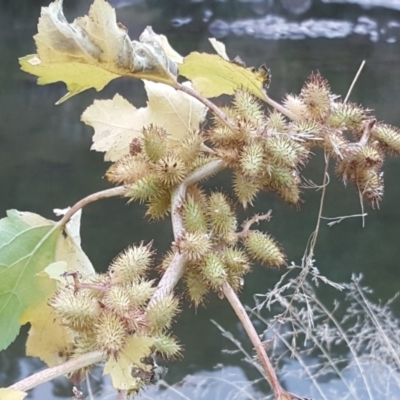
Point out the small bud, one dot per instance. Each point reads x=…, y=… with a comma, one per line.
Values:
x=193, y=215
x=161, y=314
x=131, y=264
x=171, y=170
x=213, y=270
x=252, y=160
x=167, y=347
x=127, y=170
x=135, y=146
x=316, y=96
x=111, y=334
x=195, y=245
x=388, y=136
x=221, y=217
x=264, y=248
x=154, y=142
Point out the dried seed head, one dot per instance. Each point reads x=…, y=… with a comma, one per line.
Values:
x=347, y=115
x=285, y=152
x=193, y=215
x=190, y=147
x=135, y=147
x=285, y=183
x=144, y=189
x=167, y=347
x=195, y=245
x=264, y=248
x=248, y=106
x=160, y=206
x=316, y=96
x=171, y=170
x=128, y=170
x=76, y=310
x=161, y=314
x=119, y=300
x=221, y=217
x=213, y=271
x=388, y=136
x=245, y=189
x=276, y=122
x=196, y=288
x=110, y=333
x=154, y=142
x=131, y=264
x=370, y=184
x=296, y=105
x=251, y=160
x=140, y=292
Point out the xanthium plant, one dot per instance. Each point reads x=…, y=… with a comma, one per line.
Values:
x=160, y=154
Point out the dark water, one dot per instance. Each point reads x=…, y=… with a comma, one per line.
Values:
x=45, y=160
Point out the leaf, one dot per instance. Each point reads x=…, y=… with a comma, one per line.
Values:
x=48, y=339
x=11, y=394
x=28, y=244
x=24, y=252
x=212, y=76
x=116, y=122
x=93, y=50
x=219, y=47
x=120, y=369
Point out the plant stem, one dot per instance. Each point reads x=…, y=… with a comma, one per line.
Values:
x=216, y=110
x=279, y=392
x=177, y=267
x=104, y=194
x=280, y=108
x=54, y=372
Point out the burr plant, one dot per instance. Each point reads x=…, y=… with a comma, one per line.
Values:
x=160, y=156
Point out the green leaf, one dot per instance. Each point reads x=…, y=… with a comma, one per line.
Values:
x=25, y=250
x=213, y=76
x=28, y=244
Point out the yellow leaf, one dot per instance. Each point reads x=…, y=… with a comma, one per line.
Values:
x=11, y=394
x=169, y=51
x=212, y=76
x=116, y=122
x=120, y=369
x=219, y=47
x=93, y=50
x=47, y=338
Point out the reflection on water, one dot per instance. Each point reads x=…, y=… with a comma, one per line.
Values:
x=45, y=160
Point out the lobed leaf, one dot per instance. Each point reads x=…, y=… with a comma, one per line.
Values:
x=93, y=50
x=213, y=76
x=116, y=122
